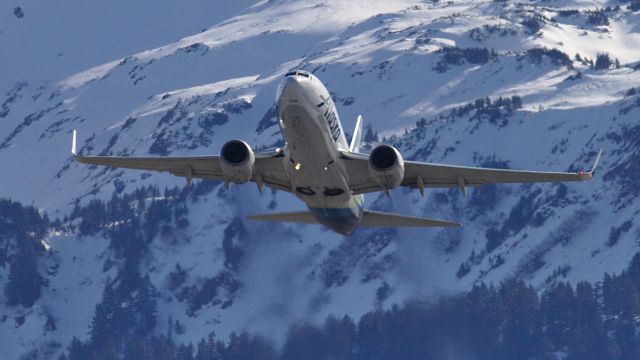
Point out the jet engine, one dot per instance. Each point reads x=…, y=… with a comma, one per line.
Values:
x=386, y=166
x=237, y=160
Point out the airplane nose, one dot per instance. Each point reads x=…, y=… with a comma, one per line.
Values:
x=291, y=88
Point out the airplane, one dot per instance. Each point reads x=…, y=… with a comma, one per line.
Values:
x=324, y=171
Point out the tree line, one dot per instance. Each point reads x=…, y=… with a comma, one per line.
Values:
x=511, y=320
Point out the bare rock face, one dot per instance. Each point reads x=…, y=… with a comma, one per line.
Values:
x=18, y=12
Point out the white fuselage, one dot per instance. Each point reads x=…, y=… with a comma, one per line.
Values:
x=315, y=140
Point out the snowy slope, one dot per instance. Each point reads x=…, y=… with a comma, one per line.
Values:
x=164, y=79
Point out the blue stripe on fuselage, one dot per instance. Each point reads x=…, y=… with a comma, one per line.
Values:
x=342, y=220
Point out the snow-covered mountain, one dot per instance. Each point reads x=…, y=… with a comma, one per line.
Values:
x=531, y=85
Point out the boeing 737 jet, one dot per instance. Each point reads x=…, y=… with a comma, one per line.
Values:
x=324, y=171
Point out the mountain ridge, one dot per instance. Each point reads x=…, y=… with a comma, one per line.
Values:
x=431, y=79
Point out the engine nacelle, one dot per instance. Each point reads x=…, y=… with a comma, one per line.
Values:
x=237, y=160
x=386, y=166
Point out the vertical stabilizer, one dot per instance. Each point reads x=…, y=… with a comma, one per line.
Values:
x=357, y=135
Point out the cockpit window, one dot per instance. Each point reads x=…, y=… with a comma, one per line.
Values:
x=290, y=73
x=297, y=72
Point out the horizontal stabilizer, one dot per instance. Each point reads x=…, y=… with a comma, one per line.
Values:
x=301, y=217
x=381, y=219
x=369, y=219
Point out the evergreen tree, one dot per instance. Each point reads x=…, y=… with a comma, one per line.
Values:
x=209, y=349
x=610, y=303
x=409, y=330
x=483, y=310
x=629, y=296
x=634, y=270
x=626, y=338
x=372, y=337
x=78, y=351
x=26, y=227
x=341, y=335
x=523, y=337
x=127, y=240
x=589, y=341
x=305, y=341
x=145, y=307
x=370, y=136
x=111, y=321
x=603, y=61
x=558, y=309
x=516, y=102
x=161, y=348
x=93, y=217
x=24, y=285
x=158, y=213
x=136, y=349
x=184, y=352
x=246, y=347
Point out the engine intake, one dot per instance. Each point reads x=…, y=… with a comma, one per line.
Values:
x=386, y=166
x=237, y=161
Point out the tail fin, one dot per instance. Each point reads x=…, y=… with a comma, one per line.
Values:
x=301, y=217
x=357, y=135
x=381, y=219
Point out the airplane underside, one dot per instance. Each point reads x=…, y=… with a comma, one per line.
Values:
x=328, y=174
x=312, y=154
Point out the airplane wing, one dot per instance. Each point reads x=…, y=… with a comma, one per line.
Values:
x=428, y=175
x=269, y=167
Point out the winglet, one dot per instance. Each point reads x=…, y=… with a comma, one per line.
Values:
x=595, y=164
x=589, y=175
x=74, y=150
x=357, y=135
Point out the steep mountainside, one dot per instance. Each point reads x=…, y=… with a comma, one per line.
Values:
x=531, y=85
